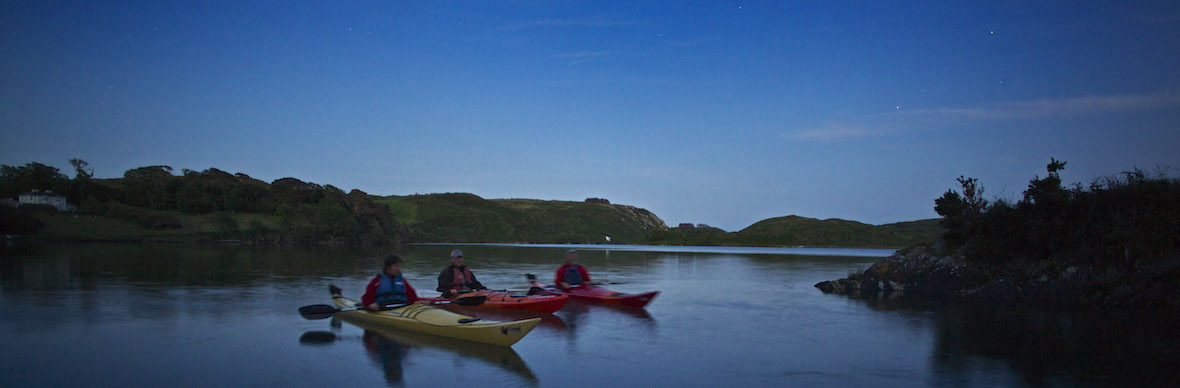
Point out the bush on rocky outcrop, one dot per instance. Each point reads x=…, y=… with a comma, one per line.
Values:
x=1114, y=244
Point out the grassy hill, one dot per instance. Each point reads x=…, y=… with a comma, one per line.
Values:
x=795, y=230
x=462, y=217
x=801, y=231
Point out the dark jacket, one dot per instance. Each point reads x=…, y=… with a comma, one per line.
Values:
x=446, y=280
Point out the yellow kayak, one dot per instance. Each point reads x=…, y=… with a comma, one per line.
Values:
x=432, y=320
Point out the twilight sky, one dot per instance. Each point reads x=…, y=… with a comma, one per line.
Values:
x=723, y=113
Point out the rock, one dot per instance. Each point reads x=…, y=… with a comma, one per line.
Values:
x=829, y=287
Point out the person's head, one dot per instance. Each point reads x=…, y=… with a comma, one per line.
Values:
x=571, y=256
x=393, y=265
x=457, y=258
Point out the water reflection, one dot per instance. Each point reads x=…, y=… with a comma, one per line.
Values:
x=580, y=316
x=390, y=348
x=744, y=319
x=74, y=266
x=1043, y=345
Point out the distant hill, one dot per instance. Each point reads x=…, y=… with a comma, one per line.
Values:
x=795, y=230
x=463, y=217
x=151, y=203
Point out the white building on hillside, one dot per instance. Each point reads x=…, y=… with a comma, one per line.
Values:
x=46, y=198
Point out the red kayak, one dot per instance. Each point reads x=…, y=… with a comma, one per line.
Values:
x=504, y=300
x=599, y=295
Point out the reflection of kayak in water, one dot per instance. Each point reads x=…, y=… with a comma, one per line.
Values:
x=634, y=312
x=432, y=320
x=389, y=347
x=504, y=300
x=501, y=356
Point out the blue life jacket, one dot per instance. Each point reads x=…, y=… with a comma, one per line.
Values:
x=572, y=276
x=391, y=290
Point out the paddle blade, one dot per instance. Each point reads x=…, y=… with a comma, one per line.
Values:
x=317, y=311
x=470, y=300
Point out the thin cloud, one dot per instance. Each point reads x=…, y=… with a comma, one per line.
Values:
x=556, y=23
x=1058, y=108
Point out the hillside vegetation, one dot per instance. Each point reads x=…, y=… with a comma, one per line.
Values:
x=462, y=217
x=151, y=203
x=795, y=230
x=802, y=231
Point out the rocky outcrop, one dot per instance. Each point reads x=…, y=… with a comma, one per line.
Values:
x=915, y=271
x=920, y=271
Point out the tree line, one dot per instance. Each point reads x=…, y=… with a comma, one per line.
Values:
x=1115, y=222
x=153, y=195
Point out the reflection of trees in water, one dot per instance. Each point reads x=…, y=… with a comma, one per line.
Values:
x=82, y=265
x=1049, y=347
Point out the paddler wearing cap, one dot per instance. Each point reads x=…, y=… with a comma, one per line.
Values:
x=572, y=274
x=457, y=278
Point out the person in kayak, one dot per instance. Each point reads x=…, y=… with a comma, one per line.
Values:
x=389, y=286
x=571, y=274
x=457, y=278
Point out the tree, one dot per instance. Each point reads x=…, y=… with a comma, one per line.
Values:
x=81, y=170
x=150, y=186
x=961, y=213
x=1046, y=204
x=292, y=191
x=81, y=188
x=33, y=176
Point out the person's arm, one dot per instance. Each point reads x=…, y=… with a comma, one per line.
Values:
x=444, y=281
x=475, y=284
x=370, y=298
x=559, y=279
x=411, y=295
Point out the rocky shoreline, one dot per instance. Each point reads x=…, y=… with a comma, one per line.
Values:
x=927, y=271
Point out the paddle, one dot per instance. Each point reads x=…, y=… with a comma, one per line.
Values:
x=468, y=301
x=321, y=311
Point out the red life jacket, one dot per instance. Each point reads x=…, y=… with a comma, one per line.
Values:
x=459, y=278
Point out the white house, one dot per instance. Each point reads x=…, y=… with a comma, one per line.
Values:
x=46, y=198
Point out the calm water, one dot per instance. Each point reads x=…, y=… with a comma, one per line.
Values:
x=184, y=315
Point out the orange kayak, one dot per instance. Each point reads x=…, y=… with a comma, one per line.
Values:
x=504, y=300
